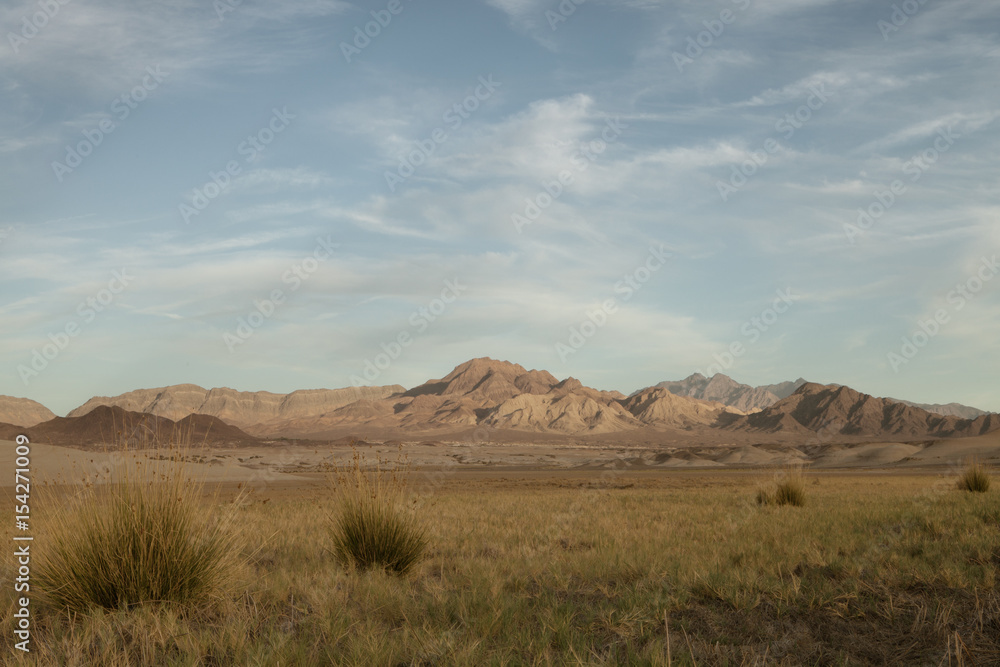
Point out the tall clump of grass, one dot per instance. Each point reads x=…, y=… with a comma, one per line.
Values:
x=789, y=488
x=143, y=535
x=975, y=477
x=372, y=526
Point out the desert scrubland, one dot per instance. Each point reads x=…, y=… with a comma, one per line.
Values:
x=601, y=562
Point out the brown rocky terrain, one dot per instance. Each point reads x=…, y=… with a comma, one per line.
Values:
x=504, y=398
x=947, y=409
x=23, y=411
x=10, y=431
x=246, y=410
x=723, y=389
x=838, y=410
x=115, y=428
x=661, y=407
x=513, y=404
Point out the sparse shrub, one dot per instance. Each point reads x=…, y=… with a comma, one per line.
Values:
x=765, y=497
x=975, y=477
x=142, y=537
x=372, y=527
x=789, y=489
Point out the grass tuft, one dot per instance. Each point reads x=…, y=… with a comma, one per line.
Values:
x=143, y=536
x=372, y=527
x=975, y=477
x=789, y=489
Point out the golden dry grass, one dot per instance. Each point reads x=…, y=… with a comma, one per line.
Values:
x=787, y=488
x=374, y=525
x=143, y=538
x=975, y=477
x=873, y=570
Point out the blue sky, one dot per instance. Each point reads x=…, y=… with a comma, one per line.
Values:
x=615, y=191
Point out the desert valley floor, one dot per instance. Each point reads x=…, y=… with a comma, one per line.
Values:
x=564, y=525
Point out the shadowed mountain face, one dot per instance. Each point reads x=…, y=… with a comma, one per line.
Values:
x=115, y=428
x=10, y=431
x=23, y=412
x=506, y=399
x=723, y=389
x=834, y=409
x=743, y=397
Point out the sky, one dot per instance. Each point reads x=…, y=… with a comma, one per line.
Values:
x=280, y=196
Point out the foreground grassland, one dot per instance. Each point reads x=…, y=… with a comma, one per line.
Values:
x=873, y=569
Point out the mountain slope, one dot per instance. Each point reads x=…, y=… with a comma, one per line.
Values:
x=946, y=409
x=834, y=409
x=506, y=396
x=502, y=394
x=115, y=427
x=723, y=389
x=567, y=407
x=246, y=410
x=511, y=400
x=783, y=389
x=23, y=411
x=661, y=407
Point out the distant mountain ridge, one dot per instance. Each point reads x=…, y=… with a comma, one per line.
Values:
x=243, y=409
x=505, y=399
x=114, y=427
x=505, y=396
x=947, y=409
x=723, y=389
x=23, y=412
x=838, y=410
x=784, y=389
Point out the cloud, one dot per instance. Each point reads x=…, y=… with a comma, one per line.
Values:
x=275, y=180
x=962, y=123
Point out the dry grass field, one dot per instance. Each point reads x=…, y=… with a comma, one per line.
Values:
x=671, y=567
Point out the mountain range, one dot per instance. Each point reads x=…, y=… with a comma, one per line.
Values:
x=831, y=410
x=725, y=390
x=507, y=402
x=260, y=411
x=112, y=425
